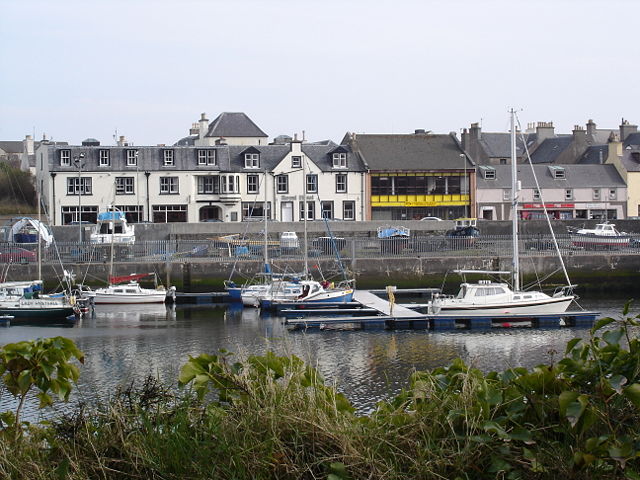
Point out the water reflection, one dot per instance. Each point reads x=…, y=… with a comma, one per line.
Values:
x=127, y=343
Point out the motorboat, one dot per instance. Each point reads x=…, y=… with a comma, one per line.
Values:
x=605, y=235
x=25, y=300
x=486, y=297
x=127, y=290
x=112, y=228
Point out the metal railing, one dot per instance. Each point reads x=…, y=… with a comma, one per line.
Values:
x=322, y=248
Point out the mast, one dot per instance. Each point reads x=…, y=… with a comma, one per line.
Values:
x=113, y=227
x=267, y=268
x=304, y=207
x=39, y=237
x=514, y=207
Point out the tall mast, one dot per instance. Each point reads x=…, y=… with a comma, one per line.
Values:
x=304, y=207
x=266, y=227
x=112, y=210
x=514, y=206
x=39, y=237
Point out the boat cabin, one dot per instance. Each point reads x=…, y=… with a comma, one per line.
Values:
x=112, y=227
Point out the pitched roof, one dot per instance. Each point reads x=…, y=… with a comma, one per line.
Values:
x=384, y=152
x=594, y=155
x=632, y=139
x=234, y=124
x=631, y=159
x=499, y=144
x=550, y=149
x=575, y=176
x=11, y=146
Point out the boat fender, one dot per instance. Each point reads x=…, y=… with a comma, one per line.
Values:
x=72, y=300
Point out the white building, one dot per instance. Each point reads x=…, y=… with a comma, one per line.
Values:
x=200, y=183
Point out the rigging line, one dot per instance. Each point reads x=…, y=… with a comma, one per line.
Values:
x=544, y=207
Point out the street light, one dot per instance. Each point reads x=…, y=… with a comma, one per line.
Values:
x=464, y=181
x=79, y=163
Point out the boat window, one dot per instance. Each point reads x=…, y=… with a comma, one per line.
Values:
x=131, y=290
x=499, y=290
x=118, y=290
x=517, y=297
x=527, y=296
x=463, y=292
x=481, y=292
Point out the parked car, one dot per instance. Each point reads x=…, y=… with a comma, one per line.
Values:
x=326, y=244
x=437, y=219
x=17, y=255
x=462, y=237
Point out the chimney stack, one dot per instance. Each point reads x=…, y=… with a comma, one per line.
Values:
x=204, y=126
x=544, y=130
x=626, y=129
x=122, y=141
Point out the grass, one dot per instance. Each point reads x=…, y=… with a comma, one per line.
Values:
x=273, y=417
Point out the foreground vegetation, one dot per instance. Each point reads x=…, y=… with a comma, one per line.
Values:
x=274, y=417
x=17, y=191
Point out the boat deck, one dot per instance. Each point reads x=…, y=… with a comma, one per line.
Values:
x=369, y=300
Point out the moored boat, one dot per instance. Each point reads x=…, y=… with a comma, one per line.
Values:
x=24, y=300
x=605, y=235
x=118, y=292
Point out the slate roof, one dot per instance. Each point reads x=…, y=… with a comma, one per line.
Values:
x=189, y=141
x=549, y=150
x=11, y=146
x=576, y=176
x=594, y=155
x=234, y=124
x=499, y=144
x=388, y=152
x=631, y=159
x=632, y=139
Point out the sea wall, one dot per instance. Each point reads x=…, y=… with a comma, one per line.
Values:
x=597, y=271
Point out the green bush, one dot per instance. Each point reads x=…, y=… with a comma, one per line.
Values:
x=274, y=417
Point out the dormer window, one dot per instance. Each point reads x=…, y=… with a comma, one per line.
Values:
x=251, y=160
x=339, y=160
x=132, y=158
x=206, y=157
x=536, y=194
x=488, y=173
x=557, y=172
x=105, y=161
x=65, y=158
x=168, y=159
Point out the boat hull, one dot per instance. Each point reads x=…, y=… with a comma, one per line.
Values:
x=125, y=299
x=550, y=306
x=599, y=241
x=47, y=314
x=343, y=296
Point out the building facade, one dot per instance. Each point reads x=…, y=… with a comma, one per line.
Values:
x=566, y=191
x=228, y=183
x=414, y=176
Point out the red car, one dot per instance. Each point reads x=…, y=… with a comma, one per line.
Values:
x=17, y=255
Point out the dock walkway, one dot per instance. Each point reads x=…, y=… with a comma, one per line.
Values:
x=370, y=300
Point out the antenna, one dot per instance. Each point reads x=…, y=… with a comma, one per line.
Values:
x=115, y=136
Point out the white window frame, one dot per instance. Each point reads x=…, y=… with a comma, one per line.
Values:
x=323, y=209
x=206, y=184
x=536, y=194
x=132, y=158
x=596, y=194
x=168, y=158
x=207, y=156
x=104, y=158
x=253, y=184
x=251, y=160
x=296, y=161
x=341, y=186
x=506, y=194
x=352, y=203
x=169, y=185
x=230, y=183
x=613, y=194
x=311, y=210
x=339, y=160
x=79, y=186
x=489, y=174
x=125, y=186
x=314, y=183
x=282, y=183
x=65, y=158
x=568, y=194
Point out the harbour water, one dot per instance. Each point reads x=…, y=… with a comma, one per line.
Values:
x=126, y=344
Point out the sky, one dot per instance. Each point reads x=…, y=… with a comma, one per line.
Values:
x=147, y=69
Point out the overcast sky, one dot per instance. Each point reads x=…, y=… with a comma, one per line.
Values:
x=79, y=69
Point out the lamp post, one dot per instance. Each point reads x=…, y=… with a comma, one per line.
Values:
x=78, y=161
x=463, y=185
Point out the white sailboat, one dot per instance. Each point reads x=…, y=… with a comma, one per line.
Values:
x=126, y=289
x=485, y=297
